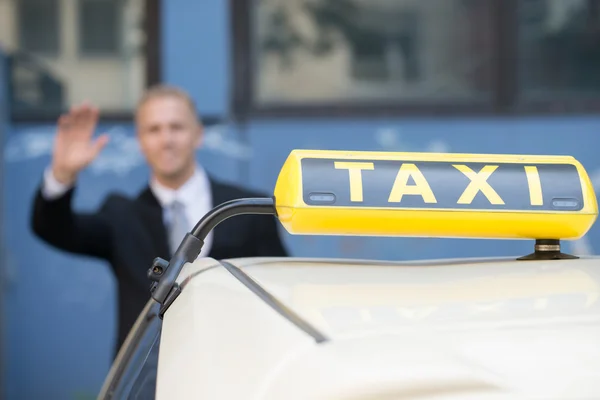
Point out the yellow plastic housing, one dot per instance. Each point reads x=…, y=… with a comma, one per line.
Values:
x=434, y=195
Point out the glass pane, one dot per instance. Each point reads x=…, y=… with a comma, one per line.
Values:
x=136, y=373
x=99, y=22
x=85, y=66
x=39, y=25
x=372, y=50
x=559, y=48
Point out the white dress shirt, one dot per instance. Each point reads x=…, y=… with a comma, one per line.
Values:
x=195, y=195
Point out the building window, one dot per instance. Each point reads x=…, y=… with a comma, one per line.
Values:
x=416, y=56
x=100, y=26
x=63, y=52
x=365, y=51
x=39, y=26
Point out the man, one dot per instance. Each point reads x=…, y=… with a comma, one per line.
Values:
x=130, y=233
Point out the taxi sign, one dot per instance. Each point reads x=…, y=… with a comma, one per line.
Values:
x=434, y=195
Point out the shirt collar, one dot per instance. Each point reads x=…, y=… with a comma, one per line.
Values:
x=197, y=185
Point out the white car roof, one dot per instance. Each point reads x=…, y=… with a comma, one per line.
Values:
x=446, y=329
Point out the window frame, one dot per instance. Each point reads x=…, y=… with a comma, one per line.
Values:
x=153, y=69
x=505, y=99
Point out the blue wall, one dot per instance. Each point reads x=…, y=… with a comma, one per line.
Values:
x=61, y=307
x=202, y=64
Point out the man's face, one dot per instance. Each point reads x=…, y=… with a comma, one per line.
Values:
x=169, y=135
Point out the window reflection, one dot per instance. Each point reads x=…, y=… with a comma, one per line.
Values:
x=559, y=48
x=362, y=50
x=100, y=26
x=38, y=23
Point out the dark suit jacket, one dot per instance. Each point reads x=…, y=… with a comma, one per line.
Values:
x=130, y=233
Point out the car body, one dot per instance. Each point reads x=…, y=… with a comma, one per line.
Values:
x=522, y=327
x=492, y=328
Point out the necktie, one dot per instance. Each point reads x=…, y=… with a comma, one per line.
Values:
x=178, y=226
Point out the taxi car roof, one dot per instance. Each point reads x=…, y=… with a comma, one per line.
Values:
x=484, y=328
x=329, y=293
x=298, y=328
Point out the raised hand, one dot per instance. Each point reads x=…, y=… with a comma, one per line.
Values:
x=74, y=148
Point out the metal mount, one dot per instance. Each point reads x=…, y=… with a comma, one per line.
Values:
x=547, y=249
x=164, y=273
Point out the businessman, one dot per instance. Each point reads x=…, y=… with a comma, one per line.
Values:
x=130, y=232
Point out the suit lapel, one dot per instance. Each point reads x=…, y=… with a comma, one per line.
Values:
x=152, y=218
x=219, y=196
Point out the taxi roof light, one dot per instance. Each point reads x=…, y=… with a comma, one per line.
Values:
x=486, y=196
x=435, y=195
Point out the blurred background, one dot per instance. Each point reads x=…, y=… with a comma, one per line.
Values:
x=268, y=76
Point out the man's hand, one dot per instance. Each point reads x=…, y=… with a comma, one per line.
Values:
x=74, y=148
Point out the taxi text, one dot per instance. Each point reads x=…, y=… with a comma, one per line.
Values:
x=400, y=188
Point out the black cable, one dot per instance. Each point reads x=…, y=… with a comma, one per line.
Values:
x=230, y=209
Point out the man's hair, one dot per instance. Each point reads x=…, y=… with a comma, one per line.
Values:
x=161, y=91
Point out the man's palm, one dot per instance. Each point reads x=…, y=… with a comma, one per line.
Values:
x=74, y=148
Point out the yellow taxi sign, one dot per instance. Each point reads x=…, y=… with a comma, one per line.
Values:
x=434, y=195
